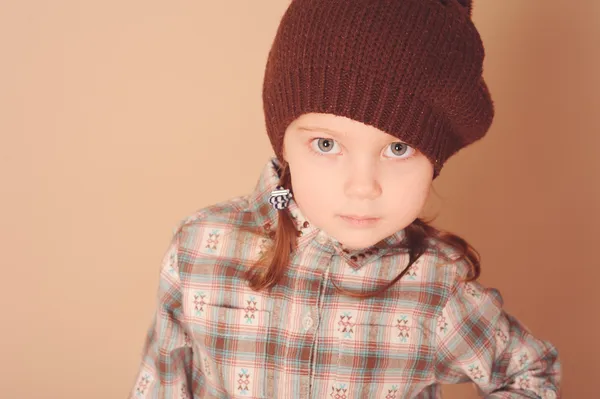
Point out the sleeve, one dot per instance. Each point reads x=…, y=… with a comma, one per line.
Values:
x=166, y=369
x=477, y=341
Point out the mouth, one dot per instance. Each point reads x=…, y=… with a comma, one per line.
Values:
x=360, y=220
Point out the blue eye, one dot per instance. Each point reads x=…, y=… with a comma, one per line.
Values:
x=400, y=150
x=325, y=146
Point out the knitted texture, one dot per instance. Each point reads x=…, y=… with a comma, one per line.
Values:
x=411, y=68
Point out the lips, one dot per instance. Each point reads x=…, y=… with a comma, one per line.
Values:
x=359, y=217
x=359, y=220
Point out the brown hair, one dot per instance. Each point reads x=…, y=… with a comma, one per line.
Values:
x=270, y=268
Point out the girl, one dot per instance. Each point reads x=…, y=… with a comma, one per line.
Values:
x=323, y=282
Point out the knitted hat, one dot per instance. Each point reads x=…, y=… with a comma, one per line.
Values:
x=412, y=68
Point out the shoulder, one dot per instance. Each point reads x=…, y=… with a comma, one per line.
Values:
x=451, y=273
x=217, y=229
x=444, y=263
x=225, y=213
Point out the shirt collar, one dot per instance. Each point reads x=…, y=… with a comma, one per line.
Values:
x=266, y=218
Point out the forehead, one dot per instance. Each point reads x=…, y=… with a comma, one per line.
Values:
x=339, y=127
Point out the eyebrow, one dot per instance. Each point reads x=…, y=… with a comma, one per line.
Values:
x=320, y=129
x=334, y=133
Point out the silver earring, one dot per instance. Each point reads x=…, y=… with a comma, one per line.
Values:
x=280, y=198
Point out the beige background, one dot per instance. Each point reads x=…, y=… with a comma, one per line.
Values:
x=120, y=118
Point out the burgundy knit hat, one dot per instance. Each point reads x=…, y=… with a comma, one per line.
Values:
x=412, y=68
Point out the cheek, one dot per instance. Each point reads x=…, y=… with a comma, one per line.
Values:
x=312, y=188
x=410, y=197
x=421, y=191
x=309, y=181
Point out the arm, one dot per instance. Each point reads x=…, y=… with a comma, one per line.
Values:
x=478, y=341
x=166, y=369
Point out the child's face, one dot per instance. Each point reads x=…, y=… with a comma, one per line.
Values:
x=340, y=167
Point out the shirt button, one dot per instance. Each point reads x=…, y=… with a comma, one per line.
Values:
x=322, y=238
x=308, y=322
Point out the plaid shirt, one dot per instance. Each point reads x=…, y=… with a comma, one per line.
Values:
x=214, y=337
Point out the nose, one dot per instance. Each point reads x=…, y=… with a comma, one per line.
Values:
x=362, y=182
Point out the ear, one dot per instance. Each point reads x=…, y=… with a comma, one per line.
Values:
x=468, y=4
